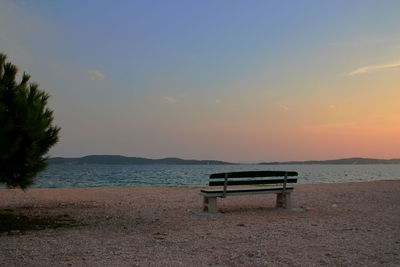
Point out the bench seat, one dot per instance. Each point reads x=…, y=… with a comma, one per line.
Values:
x=244, y=191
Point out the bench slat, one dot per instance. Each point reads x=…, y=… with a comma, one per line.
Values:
x=252, y=174
x=252, y=182
x=245, y=191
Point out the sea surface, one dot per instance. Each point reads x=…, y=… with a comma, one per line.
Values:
x=66, y=176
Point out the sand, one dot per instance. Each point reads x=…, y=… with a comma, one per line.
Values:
x=350, y=224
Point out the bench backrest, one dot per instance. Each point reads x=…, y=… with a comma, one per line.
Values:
x=224, y=179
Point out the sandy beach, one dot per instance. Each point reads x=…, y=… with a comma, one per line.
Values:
x=350, y=224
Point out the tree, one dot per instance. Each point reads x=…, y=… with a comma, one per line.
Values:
x=26, y=130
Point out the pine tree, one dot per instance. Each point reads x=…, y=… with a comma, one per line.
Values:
x=26, y=130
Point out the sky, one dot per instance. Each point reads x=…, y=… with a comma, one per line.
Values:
x=241, y=81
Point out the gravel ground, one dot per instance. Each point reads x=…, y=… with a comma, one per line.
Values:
x=350, y=224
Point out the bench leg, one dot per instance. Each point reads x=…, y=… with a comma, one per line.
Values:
x=210, y=204
x=283, y=200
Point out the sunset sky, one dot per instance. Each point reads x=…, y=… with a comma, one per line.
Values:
x=242, y=81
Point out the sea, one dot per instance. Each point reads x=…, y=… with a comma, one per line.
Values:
x=73, y=176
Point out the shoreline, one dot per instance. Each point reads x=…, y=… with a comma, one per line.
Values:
x=192, y=186
x=356, y=223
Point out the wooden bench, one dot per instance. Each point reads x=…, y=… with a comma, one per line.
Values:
x=276, y=186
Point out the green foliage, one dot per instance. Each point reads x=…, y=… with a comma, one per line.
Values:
x=26, y=130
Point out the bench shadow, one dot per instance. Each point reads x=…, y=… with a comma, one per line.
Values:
x=232, y=209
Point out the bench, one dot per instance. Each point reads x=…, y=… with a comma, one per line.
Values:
x=229, y=181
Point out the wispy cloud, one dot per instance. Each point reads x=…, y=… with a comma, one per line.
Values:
x=283, y=107
x=169, y=100
x=96, y=75
x=373, y=68
x=217, y=101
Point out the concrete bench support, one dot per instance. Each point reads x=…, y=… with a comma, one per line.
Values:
x=283, y=200
x=210, y=204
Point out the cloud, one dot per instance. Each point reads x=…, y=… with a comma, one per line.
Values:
x=283, y=107
x=373, y=68
x=96, y=75
x=169, y=100
x=217, y=101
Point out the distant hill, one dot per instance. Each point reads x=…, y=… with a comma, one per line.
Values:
x=122, y=160
x=338, y=161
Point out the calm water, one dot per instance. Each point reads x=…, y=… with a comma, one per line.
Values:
x=57, y=176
